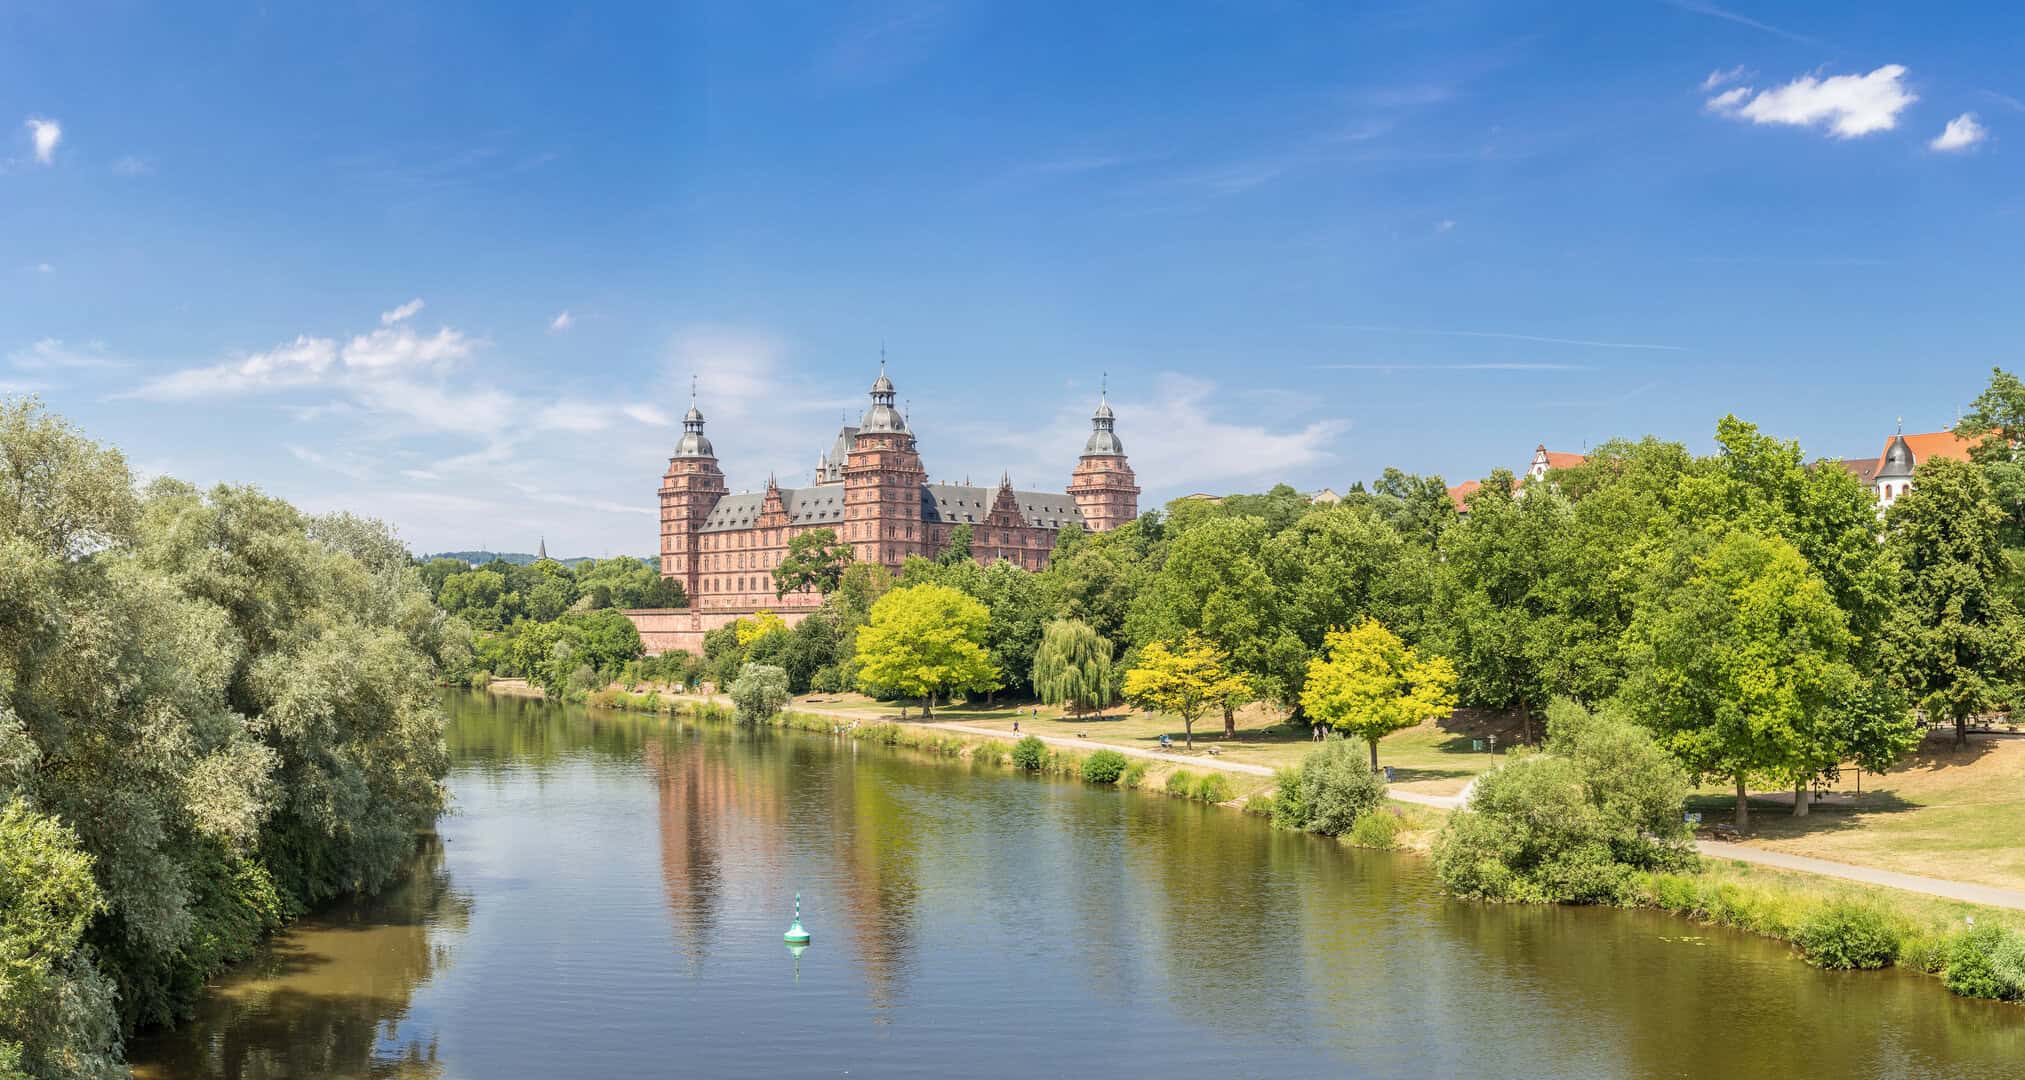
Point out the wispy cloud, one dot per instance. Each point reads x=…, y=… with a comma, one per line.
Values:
x=561, y=323
x=1846, y=106
x=401, y=314
x=1723, y=78
x=2005, y=100
x=1714, y=12
x=1505, y=335
x=133, y=166
x=52, y=353
x=1961, y=133
x=44, y=268
x=43, y=136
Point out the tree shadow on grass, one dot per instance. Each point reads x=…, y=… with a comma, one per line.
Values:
x=1407, y=776
x=1774, y=820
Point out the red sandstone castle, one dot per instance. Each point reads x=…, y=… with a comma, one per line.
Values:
x=871, y=489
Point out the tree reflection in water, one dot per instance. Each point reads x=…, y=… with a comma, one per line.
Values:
x=330, y=996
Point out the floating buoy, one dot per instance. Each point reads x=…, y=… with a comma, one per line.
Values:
x=795, y=934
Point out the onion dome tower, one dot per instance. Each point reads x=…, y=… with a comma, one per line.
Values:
x=1103, y=485
x=883, y=478
x=689, y=491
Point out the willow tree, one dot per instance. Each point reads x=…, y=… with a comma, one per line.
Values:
x=1072, y=667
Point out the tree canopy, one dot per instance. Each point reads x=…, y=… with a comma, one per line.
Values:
x=1370, y=684
x=926, y=641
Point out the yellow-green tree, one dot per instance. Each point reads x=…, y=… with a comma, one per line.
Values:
x=924, y=641
x=1187, y=678
x=1370, y=683
x=760, y=625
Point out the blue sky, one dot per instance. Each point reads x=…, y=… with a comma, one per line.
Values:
x=1306, y=241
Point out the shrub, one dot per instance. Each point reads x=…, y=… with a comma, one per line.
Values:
x=1844, y=934
x=1214, y=788
x=1579, y=823
x=1924, y=952
x=1104, y=767
x=990, y=753
x=1135, y=774
x=759, y=692
x=1378, y=829
x=1972, y=968
x=1181, y=782
x=1030, y=754
x=1289, y=812
x=1331, y=788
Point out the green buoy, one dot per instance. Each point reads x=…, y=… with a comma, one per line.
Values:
x=795, y=934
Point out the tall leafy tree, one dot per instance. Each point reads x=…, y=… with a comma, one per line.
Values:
x=1336, y=566
x=1369, y=683
x=815, y=559
x=926, y=641
x=1187, y=678
x=1072, y=667
x=1957, y=641
x=1499, y=616
x=958, y=550
x=1215, y=583
x=1740, y=664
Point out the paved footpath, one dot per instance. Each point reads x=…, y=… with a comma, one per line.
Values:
x=1714, y=849
x=1952, y=890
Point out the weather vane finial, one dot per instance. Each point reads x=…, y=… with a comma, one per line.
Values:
x=692, y=389
x=1901, y=425
x=1104, y=385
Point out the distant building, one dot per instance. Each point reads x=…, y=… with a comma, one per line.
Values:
x=1324, y=497
x=1890, y=474
x=873, y=492
x=1536, y=469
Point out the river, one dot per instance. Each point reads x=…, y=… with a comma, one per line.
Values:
x=608, y=899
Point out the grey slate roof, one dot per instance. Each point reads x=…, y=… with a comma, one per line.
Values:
x=816, y=506
x=957, y=504
x=963, y=504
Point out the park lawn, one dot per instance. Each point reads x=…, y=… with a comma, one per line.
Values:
x=1434, y=758
x=1943, y=813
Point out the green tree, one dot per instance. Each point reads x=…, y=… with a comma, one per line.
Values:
x=1187, y=679
x=759, y=692
x=1739, y=661
x=1072, y=667
x=815, y=559
x=1500, y=616
x=959, y=547
x=1957, y=639
x=56, y=1010
x=1371, y=684
x=1215, y=583
x=924, y=641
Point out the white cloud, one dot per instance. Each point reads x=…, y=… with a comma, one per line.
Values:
x=1848, y=106
x=576, y=416
x=400, y=314
x=1723, y=78
x=133, y=166
x=400, y=348
x=44, y=268
x=1444, y=225
x=651, y=415
x=1961, y=133
x=301, y=362
x=50, y=353
x=561, y=323
x=45, y=134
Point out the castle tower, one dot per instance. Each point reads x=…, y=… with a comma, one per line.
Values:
x=689, y=490
x=882, y=485
x=1103, y=485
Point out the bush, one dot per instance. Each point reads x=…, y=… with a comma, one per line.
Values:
x=1214, y=788
x=990, y=753
x=1973, y=970
x=1378, y=829
x=1030, y=754
x=1181, y=783
x=1330, y=789
x=1924, y=952
x=1844, y=935
x=1579, y=823
x=1135, y=774
x=1104, y=767
x=759, y=692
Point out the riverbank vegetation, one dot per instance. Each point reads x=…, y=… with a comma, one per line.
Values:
x=557, y=626
x=215, y=713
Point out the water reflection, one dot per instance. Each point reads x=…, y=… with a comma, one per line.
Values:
x=332, y=996
x=632, y=877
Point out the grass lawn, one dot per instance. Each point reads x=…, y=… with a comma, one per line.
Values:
x=1942, y=813
x=1434, y=758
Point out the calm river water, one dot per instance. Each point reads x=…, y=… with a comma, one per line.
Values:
x=608, y=900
